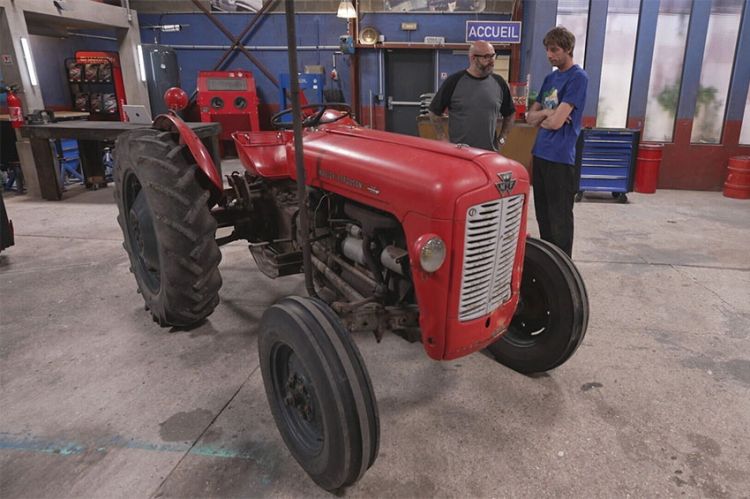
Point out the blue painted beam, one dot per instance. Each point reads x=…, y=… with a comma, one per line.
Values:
x=529, y=37
x=540, y=17
x=644, y=56
x=595, y=53
x=738, y=87
x=693, y=61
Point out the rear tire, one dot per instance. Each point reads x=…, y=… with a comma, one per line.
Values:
x=319, y=391
x=552, y=315
x=169, y=232
x=6, y=226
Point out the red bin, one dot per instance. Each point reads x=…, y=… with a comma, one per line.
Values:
x=647, y=167
x=737, y=184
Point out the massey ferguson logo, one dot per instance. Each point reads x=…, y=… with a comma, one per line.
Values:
x=506, y=184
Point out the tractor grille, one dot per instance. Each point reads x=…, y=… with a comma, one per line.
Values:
x=491, y=240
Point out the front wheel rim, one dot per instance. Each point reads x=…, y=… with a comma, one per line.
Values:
x=534, y=315
x=296, y=398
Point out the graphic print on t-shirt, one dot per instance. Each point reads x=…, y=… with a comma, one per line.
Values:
x=549, y=99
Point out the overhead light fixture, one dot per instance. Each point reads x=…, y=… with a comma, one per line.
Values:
x=141, y=65
x=346, y=10
x=166, y=28
x=171, y=28
x=29, y=61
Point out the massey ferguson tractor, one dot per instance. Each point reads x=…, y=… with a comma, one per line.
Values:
x=410, y=236
x=394, y=234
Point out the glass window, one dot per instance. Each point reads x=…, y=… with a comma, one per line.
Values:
x=574, y=15
x=745, y=131
x=617, y=63
x=666, y=70
x=716, y=71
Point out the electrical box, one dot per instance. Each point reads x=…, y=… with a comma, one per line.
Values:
x=346, y=44
x=310, y=85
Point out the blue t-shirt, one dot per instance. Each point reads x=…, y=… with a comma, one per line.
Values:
x=568, y=86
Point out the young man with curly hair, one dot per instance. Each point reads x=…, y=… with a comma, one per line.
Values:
x=557, y=112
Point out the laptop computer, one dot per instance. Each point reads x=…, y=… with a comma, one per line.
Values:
x=137, y=113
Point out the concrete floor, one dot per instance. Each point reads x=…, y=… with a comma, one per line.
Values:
x=98, y=401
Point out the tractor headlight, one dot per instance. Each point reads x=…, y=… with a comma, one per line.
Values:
x=431, y=251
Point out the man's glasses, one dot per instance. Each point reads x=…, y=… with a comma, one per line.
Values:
x=486, y=57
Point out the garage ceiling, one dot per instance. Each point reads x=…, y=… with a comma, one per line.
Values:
x=489, y=6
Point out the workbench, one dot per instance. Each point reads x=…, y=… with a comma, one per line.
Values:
x=59, y=116
x=89, y=134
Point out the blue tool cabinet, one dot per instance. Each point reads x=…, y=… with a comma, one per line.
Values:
x=606, y=161
x=70, y=161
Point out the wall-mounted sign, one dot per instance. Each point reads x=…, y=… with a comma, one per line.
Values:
x=493, y=31
x=409, y=26
x=7, y=59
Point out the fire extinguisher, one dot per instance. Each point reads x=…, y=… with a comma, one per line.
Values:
x=15, y=107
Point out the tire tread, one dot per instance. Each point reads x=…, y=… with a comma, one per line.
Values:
x=189, y=255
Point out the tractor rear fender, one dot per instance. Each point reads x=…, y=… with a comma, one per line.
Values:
x=172, y=122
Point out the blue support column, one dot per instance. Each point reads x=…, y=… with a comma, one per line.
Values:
x=738, y=87
x=539, y=17
x=693, y=61
x=595, y=53
x=644, y=56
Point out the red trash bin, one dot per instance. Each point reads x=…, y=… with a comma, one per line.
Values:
x=737, y=184
x=647, y=167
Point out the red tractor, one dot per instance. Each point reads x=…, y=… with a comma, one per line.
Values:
x=393, y=233
x=423, y=239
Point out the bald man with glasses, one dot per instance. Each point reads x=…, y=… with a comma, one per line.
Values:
x=475, y=98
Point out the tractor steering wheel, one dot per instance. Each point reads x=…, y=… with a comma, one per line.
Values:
x=314, y=119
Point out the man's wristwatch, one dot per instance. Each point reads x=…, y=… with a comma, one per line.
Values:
x=501, y=141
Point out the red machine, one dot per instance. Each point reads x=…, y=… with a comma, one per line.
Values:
x=395, y=234
x=229, y=98
x=96, y=78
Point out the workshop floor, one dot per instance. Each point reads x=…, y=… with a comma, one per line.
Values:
x=98, y=401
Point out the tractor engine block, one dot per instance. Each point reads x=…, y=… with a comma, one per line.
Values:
x=362, y=266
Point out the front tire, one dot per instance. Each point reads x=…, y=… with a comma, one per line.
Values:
x=552, y=314
x=169, y=232
x=319, y=391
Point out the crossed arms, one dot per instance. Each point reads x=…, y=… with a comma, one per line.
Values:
x=551, y=119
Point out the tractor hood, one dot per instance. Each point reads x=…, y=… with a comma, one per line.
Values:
x=399, y=173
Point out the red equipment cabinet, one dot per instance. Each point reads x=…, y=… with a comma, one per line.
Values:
x=229, y=98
